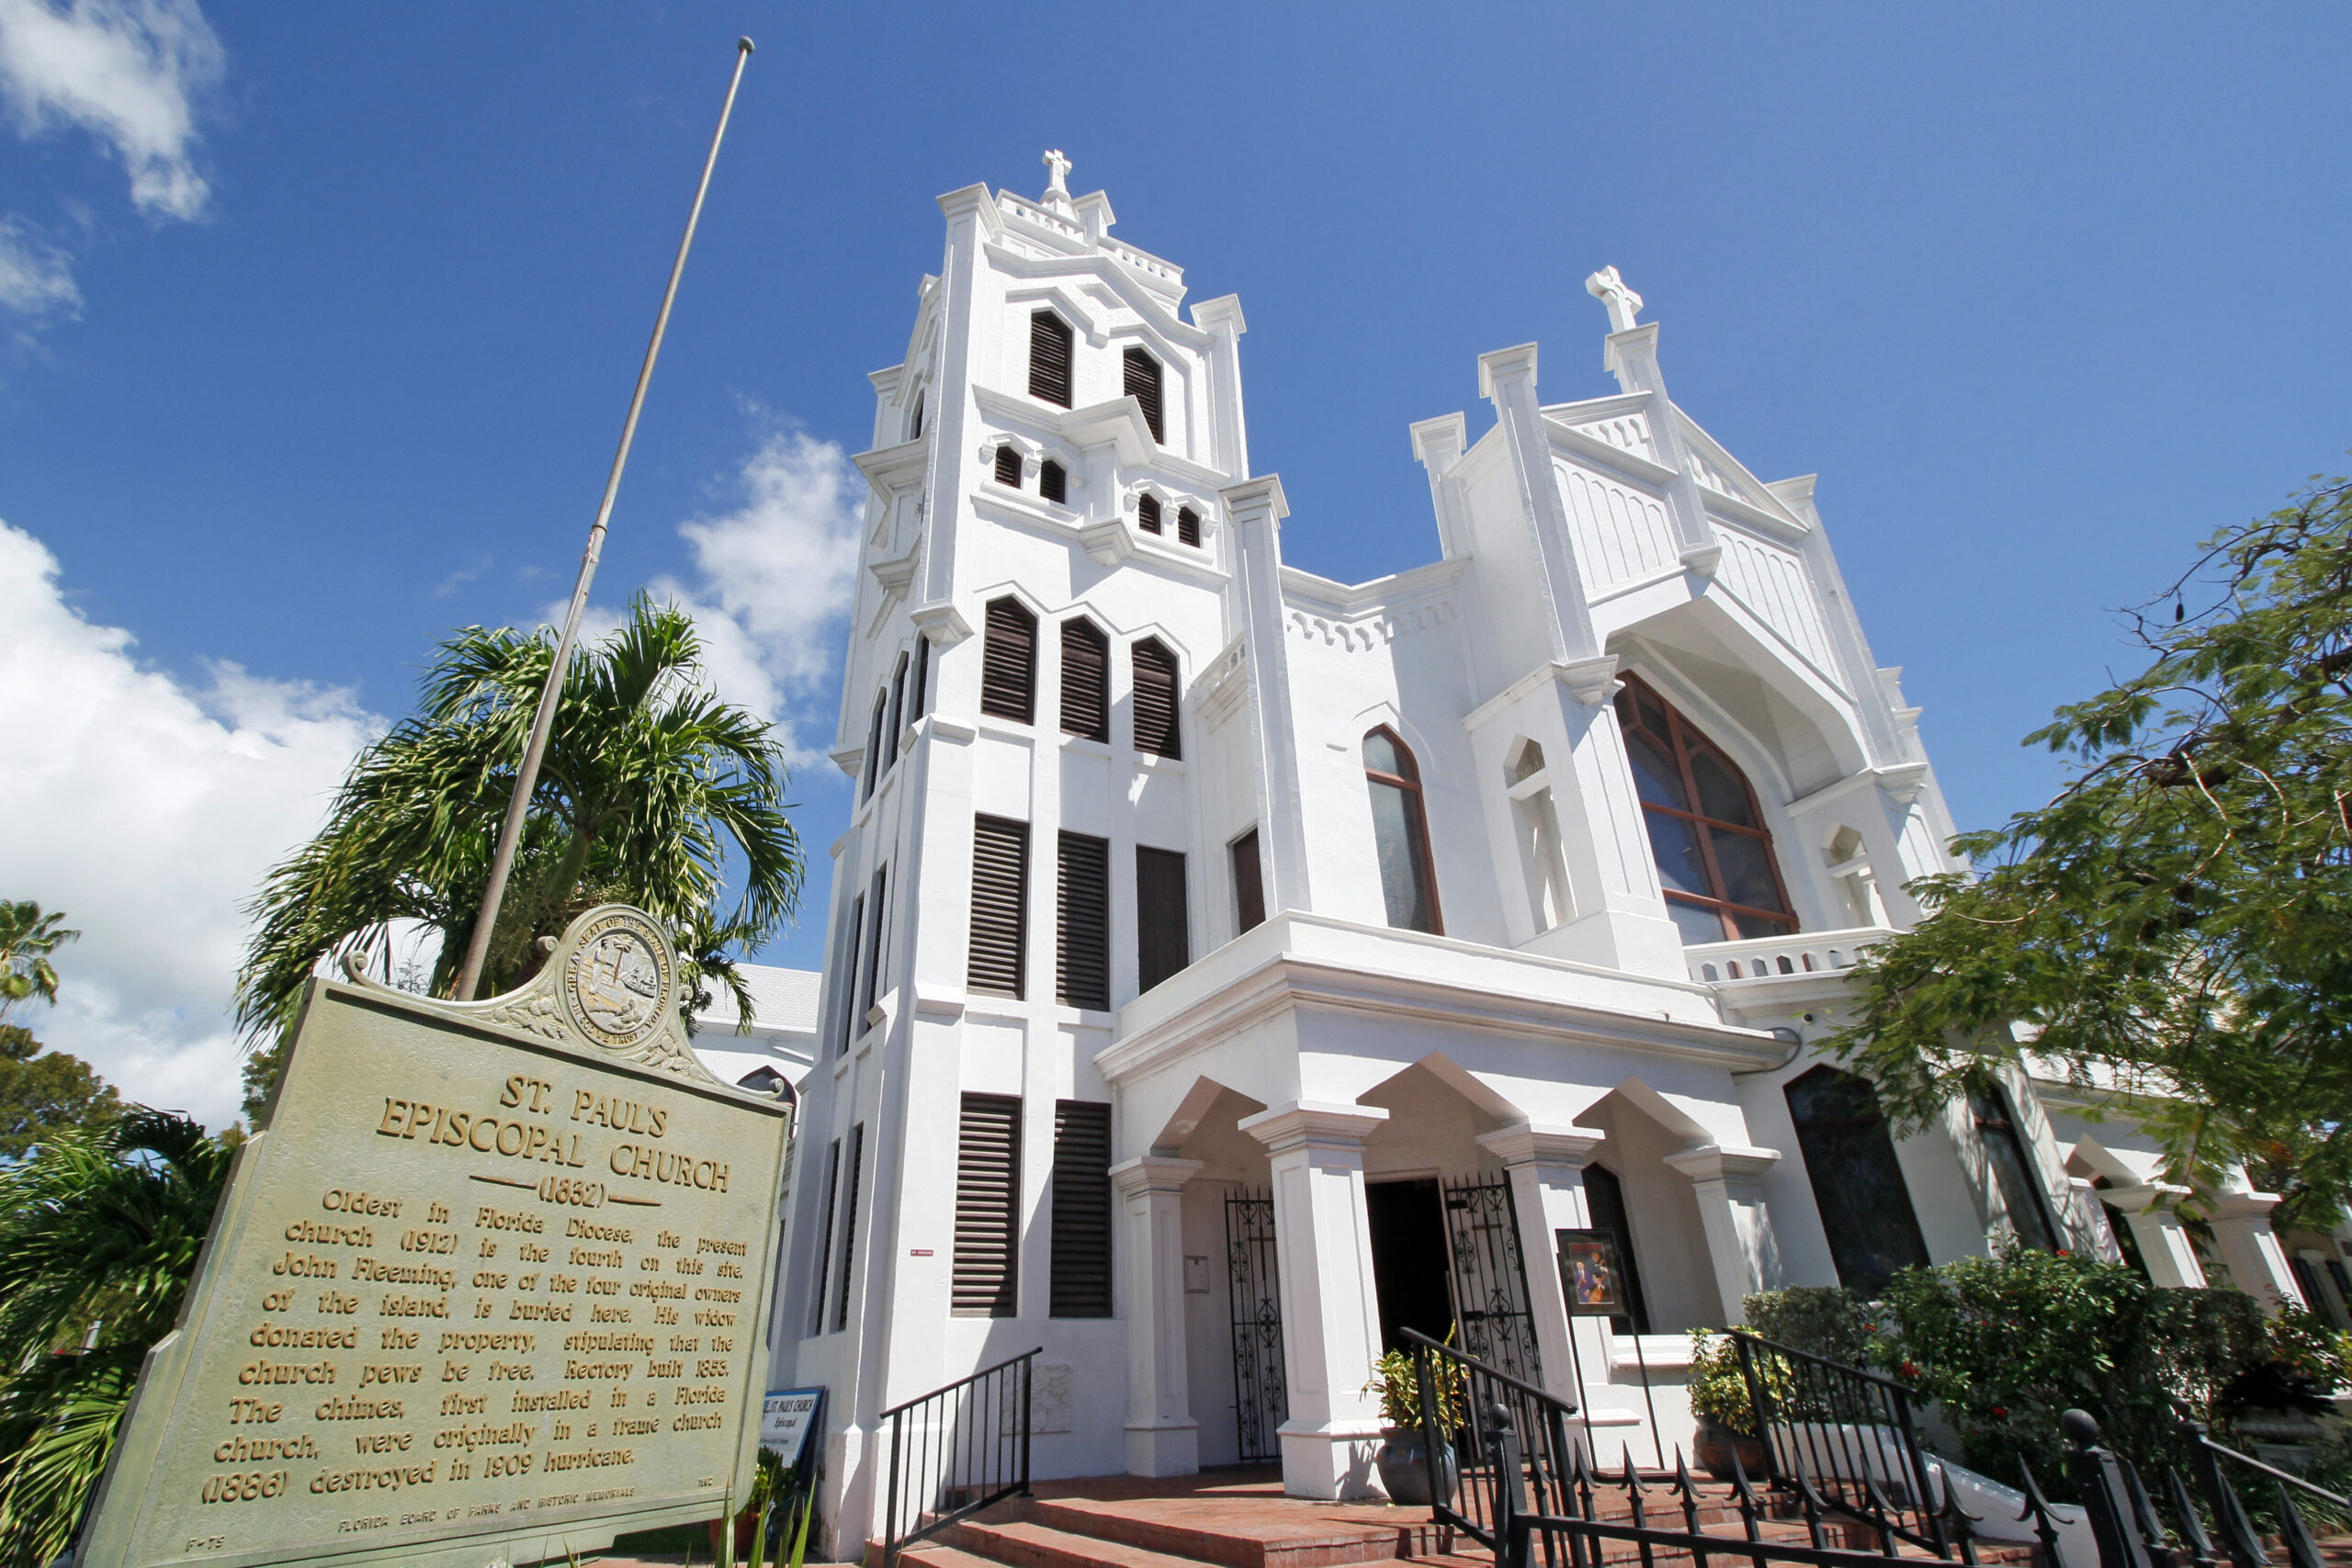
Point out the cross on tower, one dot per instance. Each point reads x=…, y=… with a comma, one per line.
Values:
x=1624, y=303
x=1059, y=166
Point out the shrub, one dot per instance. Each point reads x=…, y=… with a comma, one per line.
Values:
x=1820, y=1320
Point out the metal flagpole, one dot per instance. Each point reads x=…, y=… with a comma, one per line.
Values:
x=510, y=832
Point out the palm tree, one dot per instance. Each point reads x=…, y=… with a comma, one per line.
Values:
x=27, y=939
x=652, y=787
x=99, y=1235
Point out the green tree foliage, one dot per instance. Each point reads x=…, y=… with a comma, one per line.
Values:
x=99, y=1232
x=653, y=791
x=2176, y=927
x=41, y=1092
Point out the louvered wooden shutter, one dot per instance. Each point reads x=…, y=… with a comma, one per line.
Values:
x=825, y=1240
x=1081, y=1283
x=873, y=943
x=1086, y=680
x=1163, y=943
x=1049, y=340
x=1155, y=670
x=1188, y=527
x=898, y=707
x=855, y=935
x=1008, y=662
x=1143, y=385
x=1147, y=513
x=1249, y=881
x=1007, y=466
x=988, y=1208
x=1000, y=902
x=922, y=678
x=849, y=1224
x=874, y=745
x=1053, y=481
x=1082, y=925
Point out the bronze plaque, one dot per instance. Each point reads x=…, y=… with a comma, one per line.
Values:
x=492, y=1286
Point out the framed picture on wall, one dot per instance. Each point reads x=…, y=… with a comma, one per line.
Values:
x=1590, y=1275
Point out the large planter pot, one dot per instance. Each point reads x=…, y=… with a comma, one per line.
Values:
x=1716, y=1444
x=1404, y=1462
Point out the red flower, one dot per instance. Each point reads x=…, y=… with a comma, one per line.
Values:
x=2061, y=1252
x=1907, y=1370
x=1999, y=1414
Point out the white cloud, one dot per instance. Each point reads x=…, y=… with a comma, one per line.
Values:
x=36, y=277
x=773, y=580
x=129, y=71
x=147, y=810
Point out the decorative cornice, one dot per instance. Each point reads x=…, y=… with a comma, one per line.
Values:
x=848, y=759
x=1591, y=681
x=2147, y=1196
x=2242, y=1206
x=943, y=625
x=1314, y=1123
x=1715, y=1162
x=1530, y=1143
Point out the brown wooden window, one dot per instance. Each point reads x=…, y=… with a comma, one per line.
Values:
x=987, y=1276
x=1143, y=385
x=1008, y=662
x=1714, y=858
x=1007, y=466
x=1147, y=513
x=1086, y=680
x=1249, y=881
x=1082, y=922
x=922, y=678
x=1156, y=693
x=898, y=707
x=1049, y=340
x=825, y=1240
x=1053, y=481
x=1163, y=930
x=855, y=935
x=1082, y=1281
x=856, y=1163
x=1400, y=833
x=1188, y=527
x=999, y=906
x=873, y=946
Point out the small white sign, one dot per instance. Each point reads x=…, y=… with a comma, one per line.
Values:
x=785, y=1417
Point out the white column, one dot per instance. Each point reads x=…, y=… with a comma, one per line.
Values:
x=1729, y=1184
x=1331, y=1314
x=2164, y=1246
x=1162, y=1436
x=2257, y=1263
x=1546, y=1169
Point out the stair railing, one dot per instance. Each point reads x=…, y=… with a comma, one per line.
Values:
x=1844, y=1441
x=2130, y=1530
x=955, y=1450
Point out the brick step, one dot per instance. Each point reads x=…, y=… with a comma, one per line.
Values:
x=1242, y=1536
x=1026, y=1543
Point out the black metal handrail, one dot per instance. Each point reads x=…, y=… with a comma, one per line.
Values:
x=955, y=1450
x=1845, y=1440
x=1479, y=1490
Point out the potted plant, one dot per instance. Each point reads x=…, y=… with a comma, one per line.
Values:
x=1719, y=1399
x=1404, y=1456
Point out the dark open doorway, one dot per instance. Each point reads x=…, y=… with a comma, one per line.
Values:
x=1409, y=1265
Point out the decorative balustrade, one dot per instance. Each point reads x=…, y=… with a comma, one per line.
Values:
x=1771, y=958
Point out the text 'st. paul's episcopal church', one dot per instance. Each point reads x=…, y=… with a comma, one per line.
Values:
x=1230, y=967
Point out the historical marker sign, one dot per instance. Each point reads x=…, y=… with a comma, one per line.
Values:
x=492, y=1286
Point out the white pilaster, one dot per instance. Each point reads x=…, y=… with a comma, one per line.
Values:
x=1546, y=1169
x=1256, y=509
x=2257, y=1263
x=1330, y=1316
x=2164, y=1246
x=1162, y=1436
x=1729, y=1185
x=1507, y=379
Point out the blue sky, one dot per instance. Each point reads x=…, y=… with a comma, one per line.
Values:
x=329, y=357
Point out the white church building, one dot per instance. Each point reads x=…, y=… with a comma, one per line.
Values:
x=1230, y=967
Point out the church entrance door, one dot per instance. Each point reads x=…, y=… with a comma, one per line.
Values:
x=1490, y=1275
x=1408, y=1258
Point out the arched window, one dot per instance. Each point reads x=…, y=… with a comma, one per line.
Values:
x=1007, y=466
x=1086, y=680
x=898, y=710
x=2013, y=1171
x=1400, y=833
x=1049, y=340
x=1053, y=480
x=1538, y=830
x=1147, y=513
x=1713, y=855
x=1857, y=1185
x=1143, y=385
x=874, y=744
x=1156, y=700
x=1008, y=662
x=914, y=421
x=1188, y=527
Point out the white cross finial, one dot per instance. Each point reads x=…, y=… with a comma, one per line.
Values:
x=1624, y=303
x=1059, y=167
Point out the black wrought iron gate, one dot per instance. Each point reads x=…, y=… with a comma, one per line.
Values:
x=1489, y=1273
x=1261, y=1397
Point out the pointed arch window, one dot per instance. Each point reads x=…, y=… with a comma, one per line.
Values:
x=1143, y=385
x=1007, y=466
x=1086, y=680
x=2013, y=1172
x=1400, y=833
x=1049, y=342
x=1147, y=513
x=1053, y=481
x=1707, y=834
x=1188, y=527
x=1857, y=1185
x=1157, y=698
x=1008, y=662
x=914, y=421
